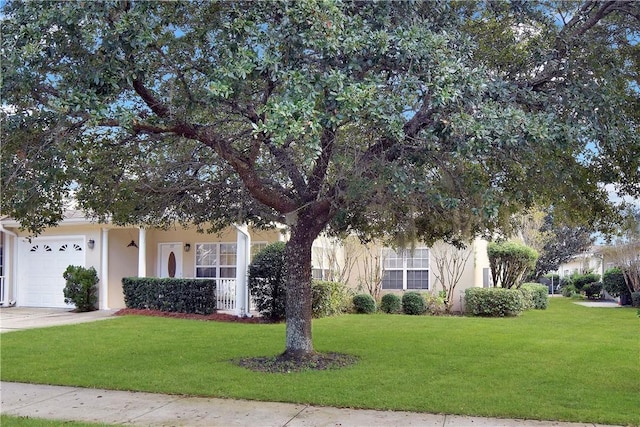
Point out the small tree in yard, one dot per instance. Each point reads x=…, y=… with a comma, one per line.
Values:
x=450, y=263
x=510, y=263
x=81, y=288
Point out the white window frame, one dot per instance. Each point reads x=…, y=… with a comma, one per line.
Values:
x=404, y=263
x=218, y=264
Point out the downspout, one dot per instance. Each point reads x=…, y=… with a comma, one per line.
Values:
x=243, y=303
x=14, y=261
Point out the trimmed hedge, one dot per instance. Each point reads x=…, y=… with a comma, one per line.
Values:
x=538, y=294
x=169, y=294
x=364, y=304
x=329, y=298
x=413, y=303
x=635, y=299
x=494, y=302
x=390, y=303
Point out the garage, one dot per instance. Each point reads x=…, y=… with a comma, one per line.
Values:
x=42, y=261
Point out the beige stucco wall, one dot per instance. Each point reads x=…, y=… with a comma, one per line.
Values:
x=366, y=256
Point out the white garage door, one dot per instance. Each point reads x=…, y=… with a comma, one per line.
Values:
x=41, y=264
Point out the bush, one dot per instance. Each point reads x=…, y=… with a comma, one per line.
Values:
x=579, y=281
x=635, y=299
x=364, y=303
x=539, y=295
x=390, y=303
x=568, y=290
x=413, y=303
x=81, y=288
x=329, y=298
x=267, y=275
x=593, y=290
x=493, y=302
x=436, y=303
x=196, y=296
x=613, y=282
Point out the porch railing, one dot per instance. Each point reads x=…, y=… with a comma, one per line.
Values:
x=226, y=294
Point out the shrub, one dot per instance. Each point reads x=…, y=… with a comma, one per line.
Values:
x=196, y=296
x=364, y=303
x=593, y=290
x=329, y=298
x=390, y=303
x=267, y=281
x=527, y=297
x=510, y=262
x=413, y=303
x=539, y=295
x=579, y=281
x=635, y=299
x=435, y=303
x=81, y=288
x=568, y=290
x=493, y=302
x=613, y=282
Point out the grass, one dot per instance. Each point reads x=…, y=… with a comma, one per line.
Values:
x=10, y=421
x=568, y=363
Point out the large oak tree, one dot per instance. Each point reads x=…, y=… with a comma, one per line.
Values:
x=420, y=119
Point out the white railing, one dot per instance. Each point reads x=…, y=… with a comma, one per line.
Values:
x=3, y=294
x=226, y=294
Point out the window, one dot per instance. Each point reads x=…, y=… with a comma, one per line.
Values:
x=216, y=260
x=257, y=247
x=406, y=269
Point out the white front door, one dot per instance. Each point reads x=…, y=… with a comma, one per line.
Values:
x=170, y=260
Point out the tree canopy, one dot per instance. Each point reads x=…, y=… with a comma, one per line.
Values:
x=421, y=119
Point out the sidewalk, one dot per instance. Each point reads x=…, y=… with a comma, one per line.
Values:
x=148, y=409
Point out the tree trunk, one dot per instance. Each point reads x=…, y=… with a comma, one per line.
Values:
x=298, y=300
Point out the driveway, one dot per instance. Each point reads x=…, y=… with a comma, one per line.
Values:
x=20, y=318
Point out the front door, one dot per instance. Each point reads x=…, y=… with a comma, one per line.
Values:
x=170, y=260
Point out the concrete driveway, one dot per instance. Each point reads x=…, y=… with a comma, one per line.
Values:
x=20, y=318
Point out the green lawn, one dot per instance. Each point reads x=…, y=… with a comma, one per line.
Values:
x=10, y=421
x=569, y=362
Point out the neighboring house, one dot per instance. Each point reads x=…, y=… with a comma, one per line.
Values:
x=591, y=261
x=31, y=268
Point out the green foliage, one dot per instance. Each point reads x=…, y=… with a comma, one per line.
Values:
x=364, y=304
x=267, y=281
x=413, y=303
x=493, y=302
x=593, y=290
x=329, y=298
x=568, y=290
x=436, y=303
x=390, y=303
x=378, y=117
x=613, y=282
x=267, y=285
x=635, y=299
x=510, y=262
x=81, y=288
x=170, y=294
x=538, y=294
x=579, y=281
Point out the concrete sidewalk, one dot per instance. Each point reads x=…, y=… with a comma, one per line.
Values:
x=148, y=409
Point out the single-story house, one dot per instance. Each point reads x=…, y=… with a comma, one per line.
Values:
x=31, y=267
